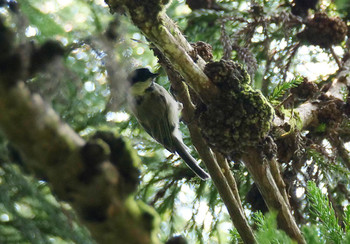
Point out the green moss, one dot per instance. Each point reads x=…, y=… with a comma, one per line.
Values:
x=241, y=116
x=321, y=128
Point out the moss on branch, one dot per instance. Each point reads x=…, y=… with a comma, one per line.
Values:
x=97, y=178
x=240, y=117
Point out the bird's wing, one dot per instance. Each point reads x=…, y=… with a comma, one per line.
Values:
x=161, y=131
x=155, y=113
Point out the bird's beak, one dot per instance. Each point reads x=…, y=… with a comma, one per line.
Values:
x=155, y=75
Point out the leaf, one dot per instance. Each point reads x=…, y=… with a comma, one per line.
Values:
x=281, y=89
x=46, y=25
x=321, y=207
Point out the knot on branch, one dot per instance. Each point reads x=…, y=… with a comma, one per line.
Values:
x=105, y=146
x=330, y=112
x=23, y=61
x=324, y=31
x=145, y=13
x=240, y=116
x=305, y=90
x=202, y=49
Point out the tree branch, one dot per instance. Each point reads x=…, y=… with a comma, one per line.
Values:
x=268, y=188
x=84, y=174
x=151, y=19
x=308, y=111
x=220, y=173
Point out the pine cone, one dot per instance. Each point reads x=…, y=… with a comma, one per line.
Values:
x=324, y=31
x=204, y=50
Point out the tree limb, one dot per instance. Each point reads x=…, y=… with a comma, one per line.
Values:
x=217, y=166
x=151, y=19
x=84, y=174
x=268, y=188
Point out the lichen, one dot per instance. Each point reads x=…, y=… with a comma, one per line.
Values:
x=240, y=116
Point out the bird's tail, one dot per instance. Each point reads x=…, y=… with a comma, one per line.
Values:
x=183, y=152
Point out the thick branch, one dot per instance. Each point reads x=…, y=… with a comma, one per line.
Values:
x=271, y=193
x=220, y=174
x=53, y=151
x=219, y=179
x=49, y=145
x=165, y=35
x=308, y=114
x=80, y=173
x=308, y=111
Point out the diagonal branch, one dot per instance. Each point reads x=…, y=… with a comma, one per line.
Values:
x=151, y=19
x=273, y=195
x=83, y=174
x=217, y=166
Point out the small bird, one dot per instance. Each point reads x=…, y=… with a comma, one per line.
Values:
x=158, y=113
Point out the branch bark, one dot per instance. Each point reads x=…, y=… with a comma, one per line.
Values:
x=217, y=166
x=151, y=19
x=307, y=111
x=83, y=174
x=274, y=198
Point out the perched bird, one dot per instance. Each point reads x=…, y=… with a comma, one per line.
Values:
x=158, y=113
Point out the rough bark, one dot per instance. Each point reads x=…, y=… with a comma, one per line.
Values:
x=86, y=175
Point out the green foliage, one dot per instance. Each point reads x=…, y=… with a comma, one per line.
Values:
x=80, y=88
x=312, y=234
x=341, y=4
x=347, y=219
x=45, y=23
x=321, y=128
x=267, y=229
x=30, y=213
x=282, y=88
x=333, y=170
x=323, y=213
x=235, y=237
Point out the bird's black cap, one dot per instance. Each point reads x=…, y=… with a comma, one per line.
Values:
x=140, y=75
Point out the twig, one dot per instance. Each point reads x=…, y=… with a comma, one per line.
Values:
x=341, y=150
x=294, y=51
x=222, y=161
x=335, y=56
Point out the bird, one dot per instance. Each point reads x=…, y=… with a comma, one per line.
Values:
x=159, y=114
